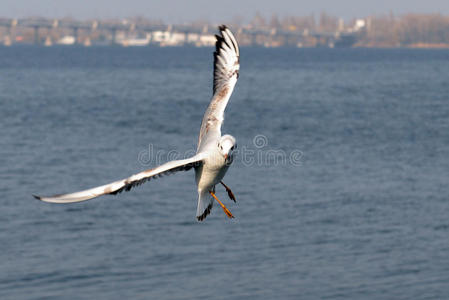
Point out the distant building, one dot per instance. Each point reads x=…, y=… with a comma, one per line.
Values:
x=177, y=39
x=167, y=38
x=7, y=40
x=193, y=38
x=359, y=24
x=206, y=40
x=136, y=41
x=87, y=42
x=66, y=40
x=48, y=42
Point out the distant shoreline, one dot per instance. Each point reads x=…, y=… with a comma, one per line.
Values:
x=411, y=46
x=429, y=46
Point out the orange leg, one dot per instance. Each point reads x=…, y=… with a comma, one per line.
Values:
x=226, y=210
x=230, y=193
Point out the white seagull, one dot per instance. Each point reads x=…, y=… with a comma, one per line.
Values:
x=214, y=153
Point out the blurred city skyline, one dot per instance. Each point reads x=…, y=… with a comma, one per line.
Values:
x=179, y=11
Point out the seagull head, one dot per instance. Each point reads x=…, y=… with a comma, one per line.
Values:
x=226, y=146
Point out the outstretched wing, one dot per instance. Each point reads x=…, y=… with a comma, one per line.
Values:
x=128, y=183
x=226, y=72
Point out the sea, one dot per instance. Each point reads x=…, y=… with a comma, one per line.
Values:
x=341, y=175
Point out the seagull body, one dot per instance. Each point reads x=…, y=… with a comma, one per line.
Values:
x=214, y=153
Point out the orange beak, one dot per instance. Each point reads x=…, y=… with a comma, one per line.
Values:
x=226, y=157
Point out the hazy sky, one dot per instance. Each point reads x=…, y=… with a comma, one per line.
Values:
x=179, y=11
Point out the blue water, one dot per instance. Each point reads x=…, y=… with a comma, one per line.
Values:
x=354, y=205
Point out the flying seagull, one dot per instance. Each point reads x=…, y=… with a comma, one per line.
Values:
x=214, y=153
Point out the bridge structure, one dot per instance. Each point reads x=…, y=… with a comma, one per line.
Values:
x=291, y=38
x=300, y=38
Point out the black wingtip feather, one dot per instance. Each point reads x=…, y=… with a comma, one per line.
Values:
x=222, y=27
x=218, y=48
x=37, y=197
x=220, y=40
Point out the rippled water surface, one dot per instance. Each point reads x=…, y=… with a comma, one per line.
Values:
x=346, y=196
